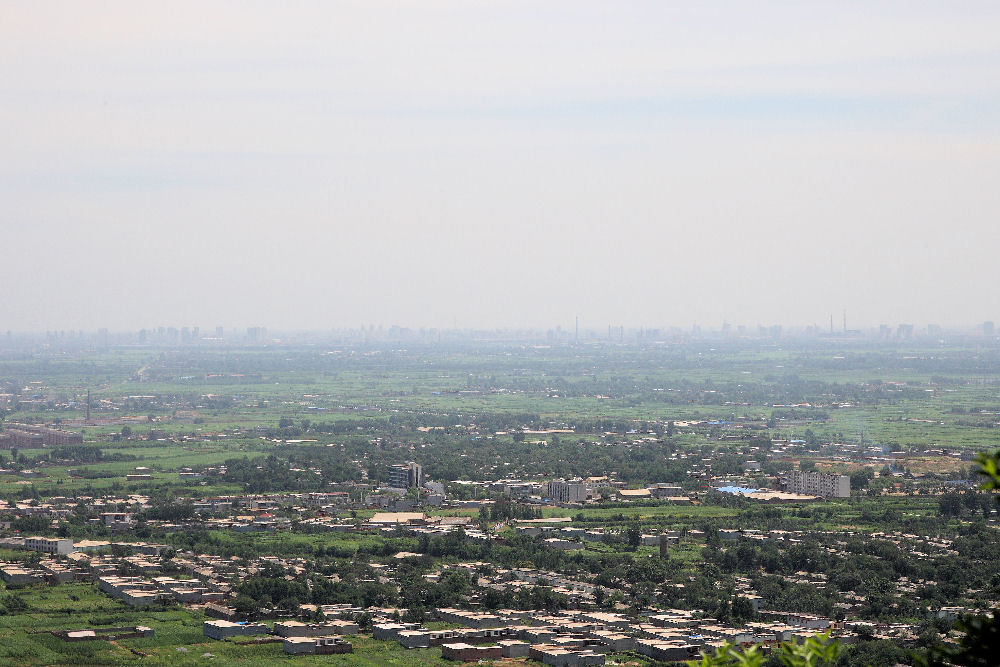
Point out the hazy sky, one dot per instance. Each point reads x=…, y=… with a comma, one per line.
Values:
x=328, y=164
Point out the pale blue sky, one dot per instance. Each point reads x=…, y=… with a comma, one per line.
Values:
x=313, y=165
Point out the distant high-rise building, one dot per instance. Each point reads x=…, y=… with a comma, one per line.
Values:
x=988, y=328
x=818, y=484
x=574, y=491
x=406, y=475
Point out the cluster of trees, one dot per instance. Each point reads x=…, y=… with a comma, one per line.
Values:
x=73, y=453
x=12, y=603
x=351, y=582
x=532, y=597
x=504, y=509
x=170, y=511
x=87, y=454
x=31, y=525
x=356, y=583
x=270, y=473
x=871, y=569
x=956, y=504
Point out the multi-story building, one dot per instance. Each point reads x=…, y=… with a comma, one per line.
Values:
x=49, y=545
x=573, y=491
x=818, y=484
x=26, y=436
x=17, y=437
x=404, y=476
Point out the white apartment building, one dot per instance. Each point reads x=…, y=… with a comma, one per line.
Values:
x=818, y=484
x=49, y=545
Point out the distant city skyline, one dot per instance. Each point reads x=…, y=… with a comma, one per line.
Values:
x=611, y=331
